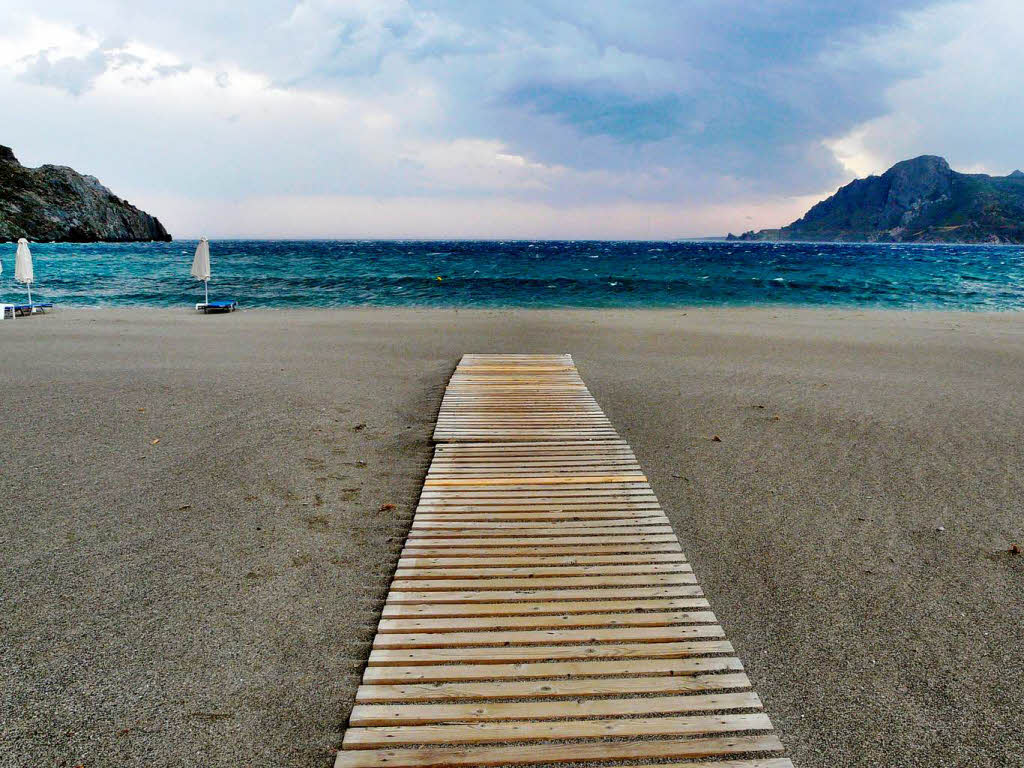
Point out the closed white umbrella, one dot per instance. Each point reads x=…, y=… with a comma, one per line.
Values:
x=23, y=266
x=201, y=265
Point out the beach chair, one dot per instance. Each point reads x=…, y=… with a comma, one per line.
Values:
x=217, y=306
x=36, y=308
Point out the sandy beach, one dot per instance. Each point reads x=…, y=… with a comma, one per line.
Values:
x=199, y=516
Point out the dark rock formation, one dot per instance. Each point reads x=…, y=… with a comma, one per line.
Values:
x=919, y=200
x=55, y=203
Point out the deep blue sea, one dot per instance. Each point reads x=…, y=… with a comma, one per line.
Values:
x=527, y=274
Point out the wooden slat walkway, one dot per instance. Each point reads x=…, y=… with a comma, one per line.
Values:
x=542, y=611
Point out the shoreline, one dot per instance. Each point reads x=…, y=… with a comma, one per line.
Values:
x=209, y=598
x=188, y=309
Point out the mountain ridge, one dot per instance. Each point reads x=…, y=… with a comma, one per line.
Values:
x=55, y=203
x=920, y=200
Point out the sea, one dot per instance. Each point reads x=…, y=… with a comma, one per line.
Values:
x=343, y=273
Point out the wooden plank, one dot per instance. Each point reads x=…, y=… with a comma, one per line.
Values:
x=631, y=619
x=541, y=446
x=542, y=570
x=560, y=511
x=590, y=549
x=483, y=435
x=547, y=689
x=499, y=465
x=537, y=446
x=532, y=527
x=566, y=508
x=393, y=610
x=608, y=497
x=582, y=479
x=491, y=654
x=599, y=502
x=543, y=531
x=539, y=560
x=419, y=714
x=524, y=528
x=527, y=730
x=540, y=754
x=542, y=541
x=628, y=666
x=491, y=422
x=658, y=634
x=616, y=491
x=540, y=582
x=528, y=474
x=528, y=516
x=588, y=459
x=511, y=501
x=603, y=495
x=532, y=451
x=516, y=595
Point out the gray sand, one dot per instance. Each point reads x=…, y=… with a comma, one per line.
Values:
x=208, y=600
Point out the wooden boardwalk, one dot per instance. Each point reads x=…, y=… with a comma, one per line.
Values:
x=542, y=611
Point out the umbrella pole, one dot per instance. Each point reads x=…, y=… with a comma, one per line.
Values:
x=206, y=284
x=29, y=285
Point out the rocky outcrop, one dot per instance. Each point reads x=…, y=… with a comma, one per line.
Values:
x=55, y=203
x=919, y=200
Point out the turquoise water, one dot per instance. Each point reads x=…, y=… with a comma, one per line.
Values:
x=527, y=274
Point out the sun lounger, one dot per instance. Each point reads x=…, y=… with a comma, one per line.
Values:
x=28, y=309
x=217, y=306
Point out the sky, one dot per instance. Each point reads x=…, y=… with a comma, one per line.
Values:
x=516, y=119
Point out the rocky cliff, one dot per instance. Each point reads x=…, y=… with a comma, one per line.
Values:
x=54, y=203
x=919, y=200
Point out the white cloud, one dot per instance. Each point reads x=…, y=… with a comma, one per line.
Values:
x=668, y=115
x=854, y=154
x=70, y=73
x=33, y=36
x=963, y=102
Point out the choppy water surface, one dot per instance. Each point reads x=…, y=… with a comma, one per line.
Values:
x=528, y=274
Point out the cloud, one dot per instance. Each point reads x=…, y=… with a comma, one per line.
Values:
x=960, y=101
x=534, y=105
x=621, y=116
x=170, y=70
x=73, y=74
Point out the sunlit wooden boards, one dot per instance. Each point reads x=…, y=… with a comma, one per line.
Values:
x=542, y=611
x=519, y=398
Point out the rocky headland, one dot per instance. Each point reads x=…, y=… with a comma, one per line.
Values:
x=916, y=201
x=54, y=203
